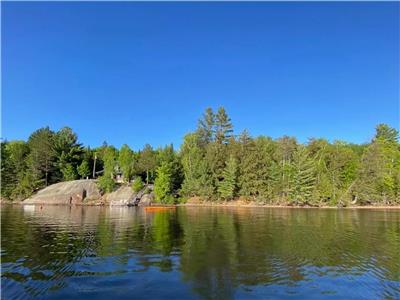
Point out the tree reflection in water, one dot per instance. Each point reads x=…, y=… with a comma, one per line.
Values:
x=211, y=253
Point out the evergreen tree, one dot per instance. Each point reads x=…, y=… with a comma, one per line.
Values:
x=256, y=175
x=163, y=184
x=84, y=169
x=302, y=179
x=205, y=127
x=69, y=172
x=197, y=178
x=379, y=173
x=223, y=127
x=286, y=147
x=227, y=186
x=41, y=157
x=386, y=133
x=67, y=153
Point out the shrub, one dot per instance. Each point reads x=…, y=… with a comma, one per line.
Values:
x=106, y=184
x=137, y=184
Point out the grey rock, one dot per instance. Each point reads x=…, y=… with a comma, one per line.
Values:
x=68, y=192
x=146, y=200
x=121, y=197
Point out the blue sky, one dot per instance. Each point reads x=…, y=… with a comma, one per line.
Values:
x=141, y=73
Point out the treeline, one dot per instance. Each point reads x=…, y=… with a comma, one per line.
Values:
x=215, y=164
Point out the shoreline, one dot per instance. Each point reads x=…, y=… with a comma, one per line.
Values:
x=210, y=204
x=254, y=205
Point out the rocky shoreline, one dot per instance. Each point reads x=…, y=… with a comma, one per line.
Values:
x=86, y=192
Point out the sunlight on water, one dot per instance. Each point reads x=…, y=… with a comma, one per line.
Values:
x=208, y=253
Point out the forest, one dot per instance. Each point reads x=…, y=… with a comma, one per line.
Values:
x=215, y=164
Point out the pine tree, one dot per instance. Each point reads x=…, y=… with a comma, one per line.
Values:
x=41, y=157
x=387, y=133
x=223, y=127
x=302, y=178
x=205, y=128
x=67, y=151
x=227, y=186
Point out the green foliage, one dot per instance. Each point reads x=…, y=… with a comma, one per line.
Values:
x=205, y=127
x=126, y=161
x=106, y=183
x=147, y=161
x=227, y=186
x=83, y=169
x=302, y=178
x=386, y=133
x=378, y=178
x=69, y=172
x=41, y=159
x=213, y=163
x=13, y=169
x=163, y=184
x=137, y=184
x=256, y=174
x=223, y=126
x=67, y=153
x=197, y=178
x=168, y=155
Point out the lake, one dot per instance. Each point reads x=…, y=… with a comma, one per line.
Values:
x=61, y=252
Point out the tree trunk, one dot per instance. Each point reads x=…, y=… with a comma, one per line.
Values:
x=94, y=166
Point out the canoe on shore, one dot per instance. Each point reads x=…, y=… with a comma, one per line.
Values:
x=159, y=208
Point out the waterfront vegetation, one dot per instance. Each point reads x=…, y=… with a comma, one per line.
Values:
x=214, y=164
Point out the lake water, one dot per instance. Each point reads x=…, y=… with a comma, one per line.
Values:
x=199, y=253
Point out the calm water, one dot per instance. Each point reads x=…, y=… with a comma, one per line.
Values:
x=199, y=253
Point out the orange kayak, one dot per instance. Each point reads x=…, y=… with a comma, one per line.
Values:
x=158, y=208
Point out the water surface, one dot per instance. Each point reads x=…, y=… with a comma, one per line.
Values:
x=61, y=252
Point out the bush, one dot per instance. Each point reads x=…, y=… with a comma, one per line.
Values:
x=137, y=184
x=106, y=184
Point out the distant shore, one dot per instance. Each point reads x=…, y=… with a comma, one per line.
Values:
x=217, y=204
x=254, y=205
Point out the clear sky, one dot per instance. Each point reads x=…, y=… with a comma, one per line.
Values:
x=141, y=73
